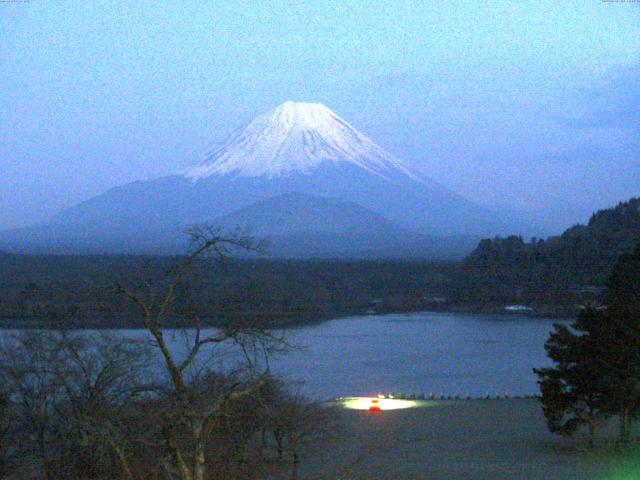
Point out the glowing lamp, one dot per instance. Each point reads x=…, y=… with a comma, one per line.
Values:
x=376, y=404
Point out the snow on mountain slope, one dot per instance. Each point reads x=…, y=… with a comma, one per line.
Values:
x=296, y=136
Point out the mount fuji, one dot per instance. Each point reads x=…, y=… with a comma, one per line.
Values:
x=299, y=154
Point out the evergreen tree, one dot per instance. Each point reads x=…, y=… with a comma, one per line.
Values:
x=620, y=360
x=597, y=360
x=571, y=391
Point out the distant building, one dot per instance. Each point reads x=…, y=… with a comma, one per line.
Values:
x=518, y=309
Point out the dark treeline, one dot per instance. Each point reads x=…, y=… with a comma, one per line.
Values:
x=552, y=275
x=78, y=290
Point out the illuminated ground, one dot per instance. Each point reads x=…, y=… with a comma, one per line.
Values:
x=466, y=439
x=379, y=404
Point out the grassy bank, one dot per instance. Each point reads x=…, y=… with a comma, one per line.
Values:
x=475, y=439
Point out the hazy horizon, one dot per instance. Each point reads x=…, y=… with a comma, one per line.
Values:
x=530, y=106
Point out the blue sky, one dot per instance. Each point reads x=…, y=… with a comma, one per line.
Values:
x=533, y=105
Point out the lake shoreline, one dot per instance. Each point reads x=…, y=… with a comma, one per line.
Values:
x=37, y=323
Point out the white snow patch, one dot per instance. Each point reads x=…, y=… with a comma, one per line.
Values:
x=296, y=137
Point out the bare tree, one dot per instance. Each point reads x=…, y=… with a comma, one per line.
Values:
x=194, y=412
x=303, y=425
x=98, y=406
x=68, y=393
x=101, y=377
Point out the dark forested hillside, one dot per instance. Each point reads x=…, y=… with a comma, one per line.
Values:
x=78, y=290
x=561, y=271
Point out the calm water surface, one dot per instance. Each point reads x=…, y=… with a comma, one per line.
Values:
x=443, y=353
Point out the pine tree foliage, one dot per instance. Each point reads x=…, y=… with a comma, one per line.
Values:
x=571, y=392
x=597, y=360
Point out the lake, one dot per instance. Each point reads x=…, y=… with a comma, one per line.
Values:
x=443, y=353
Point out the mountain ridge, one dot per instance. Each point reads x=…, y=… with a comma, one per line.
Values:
x=295, y=212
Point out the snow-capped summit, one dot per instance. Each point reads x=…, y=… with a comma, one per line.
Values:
x=295, y=137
